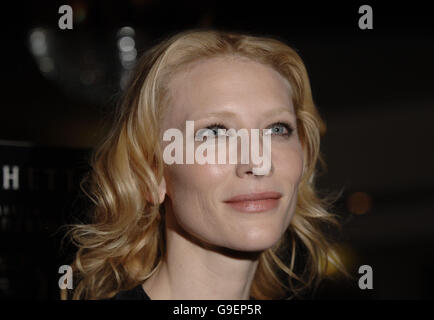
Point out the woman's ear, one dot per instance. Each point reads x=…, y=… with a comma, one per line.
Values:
x=162, y=190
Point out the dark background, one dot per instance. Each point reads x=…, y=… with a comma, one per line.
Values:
x=374, y=89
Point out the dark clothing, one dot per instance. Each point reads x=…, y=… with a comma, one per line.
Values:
x=136, y=293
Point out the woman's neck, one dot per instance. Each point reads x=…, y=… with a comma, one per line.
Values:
x=192, y=270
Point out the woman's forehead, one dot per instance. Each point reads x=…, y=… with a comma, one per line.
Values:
x=234, y=85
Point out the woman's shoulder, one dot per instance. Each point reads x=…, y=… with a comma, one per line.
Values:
x=136, y=293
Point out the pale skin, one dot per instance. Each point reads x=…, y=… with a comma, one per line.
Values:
x=212, y=249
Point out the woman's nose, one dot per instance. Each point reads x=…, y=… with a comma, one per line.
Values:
x=254, y=169
x=258, y=157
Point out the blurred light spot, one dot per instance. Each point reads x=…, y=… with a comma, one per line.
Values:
x=46, y=64
x=38, y=42
x=126, y=44
x=126, y=32
x=127, y=53
x=129, y=56
x=359, y=203
x=38, y=46
x=125, y=77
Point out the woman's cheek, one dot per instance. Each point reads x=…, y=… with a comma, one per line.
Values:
x=196, y=177
x=288, y=162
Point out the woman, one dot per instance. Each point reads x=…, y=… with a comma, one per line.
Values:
x=165, y=230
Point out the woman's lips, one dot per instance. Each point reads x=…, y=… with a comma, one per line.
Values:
x=255, y=202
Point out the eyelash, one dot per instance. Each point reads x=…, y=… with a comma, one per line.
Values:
x=287, y=126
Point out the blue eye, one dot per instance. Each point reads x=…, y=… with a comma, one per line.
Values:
x=210, y=130
x=215, y=127
x=278, y=128
x=281, y=129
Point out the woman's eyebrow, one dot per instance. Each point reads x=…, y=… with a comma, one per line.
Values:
x=230, y=114
x=223, y=114
x=278, y=111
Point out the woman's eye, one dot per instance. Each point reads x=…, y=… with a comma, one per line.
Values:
x=212, y=130
x=281, y=129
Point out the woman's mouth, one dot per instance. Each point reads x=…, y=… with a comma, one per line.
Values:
x=255, y=202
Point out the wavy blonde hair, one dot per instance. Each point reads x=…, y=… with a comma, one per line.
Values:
x=123, y=243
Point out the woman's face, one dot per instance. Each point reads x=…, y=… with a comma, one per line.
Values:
x=233, y=93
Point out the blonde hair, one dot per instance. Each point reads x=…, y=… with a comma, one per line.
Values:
x=123, y=243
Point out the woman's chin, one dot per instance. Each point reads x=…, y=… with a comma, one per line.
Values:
x=258, y=242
